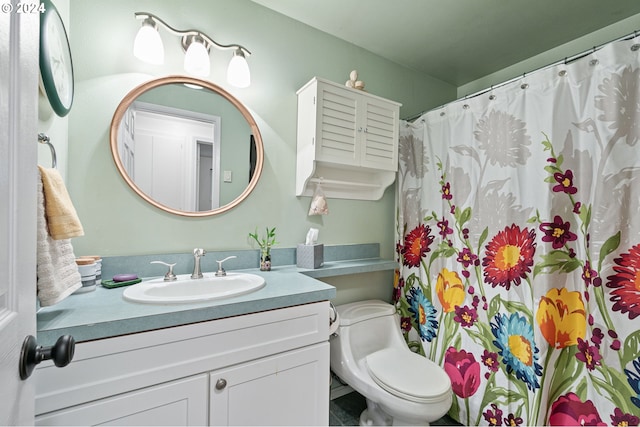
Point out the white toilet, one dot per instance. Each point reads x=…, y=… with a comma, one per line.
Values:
x=369, y=353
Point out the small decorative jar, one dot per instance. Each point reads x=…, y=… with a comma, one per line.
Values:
x=87, y=270
x=265, y=261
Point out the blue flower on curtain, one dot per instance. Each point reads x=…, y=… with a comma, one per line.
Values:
x=424, y=314
x=634, y=381
x=515, y=341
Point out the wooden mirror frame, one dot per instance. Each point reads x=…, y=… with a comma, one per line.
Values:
x=139, y=90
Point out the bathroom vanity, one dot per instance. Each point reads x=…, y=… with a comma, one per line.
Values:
x=256, y=359
x=266, y=368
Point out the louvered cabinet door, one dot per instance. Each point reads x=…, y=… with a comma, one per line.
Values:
x=378, y=142
x=337, y=132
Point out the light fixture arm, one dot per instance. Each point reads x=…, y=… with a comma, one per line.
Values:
x=188, y=35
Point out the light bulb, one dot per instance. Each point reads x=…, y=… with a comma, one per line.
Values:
x=196, y=60
x=238, y=73
x=148, y=44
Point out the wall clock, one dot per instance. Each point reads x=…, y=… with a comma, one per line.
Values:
x=56, y=66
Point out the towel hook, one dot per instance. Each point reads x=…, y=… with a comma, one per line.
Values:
x=44, y=139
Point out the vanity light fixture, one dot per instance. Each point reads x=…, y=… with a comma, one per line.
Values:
x=148, y=45
x=196, y=45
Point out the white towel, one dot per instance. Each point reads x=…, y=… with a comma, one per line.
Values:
x=58, y=275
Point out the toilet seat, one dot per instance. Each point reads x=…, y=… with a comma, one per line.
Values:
x=408, y=375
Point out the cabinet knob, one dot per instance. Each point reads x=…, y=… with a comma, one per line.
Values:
x=221, y=384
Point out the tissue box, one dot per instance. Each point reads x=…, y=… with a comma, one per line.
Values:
x=310, y=256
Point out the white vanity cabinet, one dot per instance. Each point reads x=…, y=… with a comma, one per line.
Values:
x=347, y=137
x=266, y=368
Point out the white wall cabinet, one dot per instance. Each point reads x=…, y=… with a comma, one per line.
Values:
x=348, y=138
x=267, y=368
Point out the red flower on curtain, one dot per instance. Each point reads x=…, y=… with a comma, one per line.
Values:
x=620, y=418
x=565, y=182
x=467, y=258
x=493, y=416
x=626, y=283
x=416, y=245
x=557, y=232
x=588, y=354
x=466, y=316
x=512, y=420
x=446, y=191
x=509, y=256
x=569, y=410
x=463, y=370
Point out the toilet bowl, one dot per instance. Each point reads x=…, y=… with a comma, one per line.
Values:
x=369, y=353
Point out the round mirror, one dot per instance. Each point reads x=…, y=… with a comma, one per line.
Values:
x=186, y=146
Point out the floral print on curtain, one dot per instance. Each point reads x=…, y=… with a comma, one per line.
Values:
x=518, y=241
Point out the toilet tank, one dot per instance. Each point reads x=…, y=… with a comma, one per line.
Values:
x=373, y=325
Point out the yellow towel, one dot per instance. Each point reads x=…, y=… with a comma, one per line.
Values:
x=62, y=219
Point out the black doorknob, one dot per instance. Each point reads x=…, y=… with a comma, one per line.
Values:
x=61, y=353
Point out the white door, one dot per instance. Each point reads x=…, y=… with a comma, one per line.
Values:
x=19, y=35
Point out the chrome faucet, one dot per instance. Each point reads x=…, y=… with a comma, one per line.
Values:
x=197, y=254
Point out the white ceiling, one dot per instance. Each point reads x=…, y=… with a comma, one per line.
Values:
x=457, y=41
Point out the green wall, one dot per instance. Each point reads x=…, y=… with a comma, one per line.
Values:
x=285, y=55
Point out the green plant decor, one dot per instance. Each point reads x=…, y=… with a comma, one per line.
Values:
x=265, y=244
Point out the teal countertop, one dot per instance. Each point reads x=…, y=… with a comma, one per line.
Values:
x=104, y=313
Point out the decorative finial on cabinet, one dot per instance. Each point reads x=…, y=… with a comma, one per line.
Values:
x=353, y=81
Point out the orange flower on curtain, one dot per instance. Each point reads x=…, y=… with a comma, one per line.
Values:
x=561, y=317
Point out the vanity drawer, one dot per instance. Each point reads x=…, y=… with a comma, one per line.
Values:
x=116, y=365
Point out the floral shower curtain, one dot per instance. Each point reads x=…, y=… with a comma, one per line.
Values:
x=518, y=240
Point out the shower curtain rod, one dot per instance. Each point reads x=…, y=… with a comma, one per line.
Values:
x=566, y=60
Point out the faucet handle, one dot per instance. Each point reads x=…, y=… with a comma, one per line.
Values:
x=221, y=271
x=169, y=276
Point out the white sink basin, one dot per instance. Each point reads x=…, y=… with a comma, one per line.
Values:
x=185, y=289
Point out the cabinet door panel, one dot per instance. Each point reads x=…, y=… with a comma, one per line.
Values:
x=182, y=402
x=380, y=146
x=287, y=389
x=338, y=133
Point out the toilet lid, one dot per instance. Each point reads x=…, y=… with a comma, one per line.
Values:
x=408, y=375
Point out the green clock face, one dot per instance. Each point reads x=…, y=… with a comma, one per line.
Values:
x=56, y=66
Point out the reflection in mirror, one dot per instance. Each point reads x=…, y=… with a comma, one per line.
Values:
x=186, y=146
